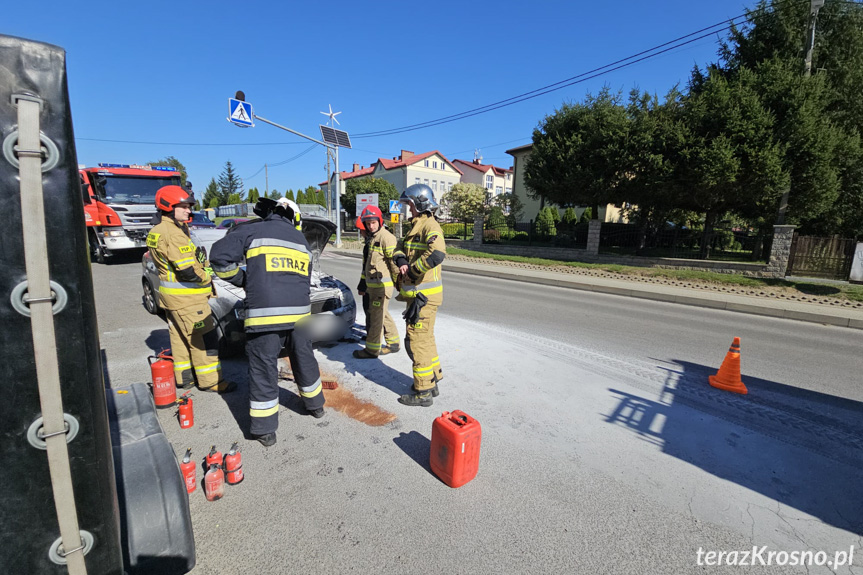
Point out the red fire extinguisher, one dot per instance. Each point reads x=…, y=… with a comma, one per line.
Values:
x=214, y=483
x=234, y=466
x=186, y=412
x=164, y=385
x=188, y=469
x=213, y=458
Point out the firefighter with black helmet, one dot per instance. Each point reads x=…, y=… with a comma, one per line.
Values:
x=379, y=269
x=184, y=292
x=277, y=280
x=419, y=257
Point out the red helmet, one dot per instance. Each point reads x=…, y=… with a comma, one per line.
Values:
x=360, y=225
x=168, y=197
x=373, y=213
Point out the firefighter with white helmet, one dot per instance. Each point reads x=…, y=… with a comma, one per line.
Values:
x=291, y=205
x=379, y=270
x=419, y=257
x=184, y=291
x=277, y=280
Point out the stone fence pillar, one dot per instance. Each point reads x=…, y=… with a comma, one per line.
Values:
x=477, y=230
x=593, y=228
x=780, y=251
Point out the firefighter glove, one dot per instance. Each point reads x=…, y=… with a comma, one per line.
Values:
x=412, y=313
x=201, y=255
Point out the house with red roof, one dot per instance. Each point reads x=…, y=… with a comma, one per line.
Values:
x=431, y=168
x=496, y=180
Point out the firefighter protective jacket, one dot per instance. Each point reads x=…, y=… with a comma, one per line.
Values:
x=183, y=279
x=380, y=269
x=277, y=275
x=423, y=250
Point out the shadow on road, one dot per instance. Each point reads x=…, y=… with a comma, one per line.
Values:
x=417, y=447
x=798, y=447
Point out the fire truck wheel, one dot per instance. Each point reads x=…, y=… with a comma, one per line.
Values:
x=97, y=252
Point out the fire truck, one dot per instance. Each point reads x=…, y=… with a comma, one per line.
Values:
x=119, y=202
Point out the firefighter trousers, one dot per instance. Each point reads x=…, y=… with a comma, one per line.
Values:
x=194, y=345
x=379, y=323
x=263, y=350
x=422, y=349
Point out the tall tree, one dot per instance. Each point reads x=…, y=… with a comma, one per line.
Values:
x=578, y=153
x=253, y=195
x=171, y=161
x=210, y=194
x=230, y=184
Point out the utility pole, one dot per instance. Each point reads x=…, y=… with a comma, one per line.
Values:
x=266, y=182
x=815, y=5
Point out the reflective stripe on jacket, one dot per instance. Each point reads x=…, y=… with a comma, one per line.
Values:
x=277, y=275
x=173, y=251
x=380, y=269
x=425, y=250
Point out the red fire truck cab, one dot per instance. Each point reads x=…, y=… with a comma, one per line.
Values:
x=119, y=204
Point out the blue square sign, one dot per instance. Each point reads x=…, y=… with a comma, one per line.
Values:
x=240, y=113
x=394, y=206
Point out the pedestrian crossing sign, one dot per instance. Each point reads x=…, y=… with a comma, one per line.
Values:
x=240, y=113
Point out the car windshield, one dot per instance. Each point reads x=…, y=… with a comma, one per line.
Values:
x=131, y=189
x=198, y=218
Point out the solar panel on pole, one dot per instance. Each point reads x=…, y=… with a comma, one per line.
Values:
x=335, y=137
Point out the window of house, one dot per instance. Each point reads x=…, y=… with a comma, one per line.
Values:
x=434, y=185
x=434, y=165
x=442, y=166
x=508, y=190
x=426, y=181
x=416, y=180
x=426, y=163
x=449, y=188
x=498, y=191
x=508, y=177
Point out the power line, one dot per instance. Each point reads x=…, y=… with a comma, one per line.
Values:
x=579, y=78
x=282, y=163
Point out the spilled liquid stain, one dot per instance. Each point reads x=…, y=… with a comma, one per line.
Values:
x=343, y=401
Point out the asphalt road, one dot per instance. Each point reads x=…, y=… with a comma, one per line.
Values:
x=604, y=450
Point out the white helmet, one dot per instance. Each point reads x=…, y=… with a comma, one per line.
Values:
x=292, y=209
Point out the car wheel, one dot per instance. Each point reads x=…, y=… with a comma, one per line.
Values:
x=150, y=303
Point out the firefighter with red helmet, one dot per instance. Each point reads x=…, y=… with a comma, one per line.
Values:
x=184, y=291
x=379, y=269
x=419, y=257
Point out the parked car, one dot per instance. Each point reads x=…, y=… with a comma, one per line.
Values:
x=229, y=223
x=200, y=220
x=330, y=296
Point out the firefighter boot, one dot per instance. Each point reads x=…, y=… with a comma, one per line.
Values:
x=363, y=354
x=391, y=348
x=224, y=386
x=418, y=399
x=267, y=440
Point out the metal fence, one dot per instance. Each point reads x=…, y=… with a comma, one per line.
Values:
x=677, y=242
x=821, y=257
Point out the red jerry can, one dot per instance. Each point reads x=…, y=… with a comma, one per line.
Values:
x=455, y=447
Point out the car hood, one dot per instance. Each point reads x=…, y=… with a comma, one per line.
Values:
x=316, y=229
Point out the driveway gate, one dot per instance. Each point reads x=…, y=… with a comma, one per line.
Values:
x=821, y=257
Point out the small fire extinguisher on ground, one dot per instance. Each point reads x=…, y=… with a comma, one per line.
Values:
x=214, y=483
x=186, y=411
x=234, y=465
x=188, y=469
x=213, y=458
x=164, y=385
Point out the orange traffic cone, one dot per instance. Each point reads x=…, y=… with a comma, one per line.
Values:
x=728, y=376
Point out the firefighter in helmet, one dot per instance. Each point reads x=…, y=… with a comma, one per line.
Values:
x=184, y=291
x=379, y=269
x=419, y=257
x=277, y=280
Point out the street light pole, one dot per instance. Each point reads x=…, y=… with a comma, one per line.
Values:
x=815, y=5
x=338, y=221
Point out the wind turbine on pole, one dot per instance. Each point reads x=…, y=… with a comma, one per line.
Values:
x=332, y=118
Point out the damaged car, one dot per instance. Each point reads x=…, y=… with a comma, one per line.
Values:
x=333, y=304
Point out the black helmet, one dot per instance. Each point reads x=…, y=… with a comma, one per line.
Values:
x=421, y=196
x=264, y=207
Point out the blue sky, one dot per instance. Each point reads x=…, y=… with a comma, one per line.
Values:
x=160, y=73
